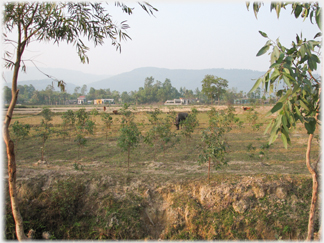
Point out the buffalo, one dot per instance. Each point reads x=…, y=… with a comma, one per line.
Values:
x=180, y=117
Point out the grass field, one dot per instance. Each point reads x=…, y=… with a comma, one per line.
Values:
x=102, y=164
x=247, y=152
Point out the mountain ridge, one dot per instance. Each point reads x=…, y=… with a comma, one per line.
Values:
x=242, y=79
x=69, y=76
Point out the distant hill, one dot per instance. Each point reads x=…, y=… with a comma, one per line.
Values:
x=191, y=79
x=131, y=81
x=43, y=83
x=69, y=76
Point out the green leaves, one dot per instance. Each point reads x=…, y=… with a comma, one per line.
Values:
x=277, y=107
x=20, y=131
x=257, y=84
x=263, y=50
x=263, y=34
x=213, y=86
x=299, y=100
x=310, y=125
x=129, y=133
x=318, y=18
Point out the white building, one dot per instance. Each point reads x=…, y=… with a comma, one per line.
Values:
x=180, y=101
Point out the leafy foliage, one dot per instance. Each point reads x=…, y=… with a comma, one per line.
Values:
x=213, y=138
x=189, y=124
x=45, y=129
x=68, y=121
x=107, y=119
x=129, y=133
x=160, y=130
x=300, y=99
x=213, y=87
x=82, y=116
x=20, y=131
x=294, y=67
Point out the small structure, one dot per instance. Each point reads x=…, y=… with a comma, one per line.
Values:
x=108, y=101
x=103, y=101
x=97, y=101
x=81, y=100
x=180, y=101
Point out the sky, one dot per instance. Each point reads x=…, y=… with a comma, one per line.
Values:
x=181, y=35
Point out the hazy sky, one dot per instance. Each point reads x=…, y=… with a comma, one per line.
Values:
x=182, y=35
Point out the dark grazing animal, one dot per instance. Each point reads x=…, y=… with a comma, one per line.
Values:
x=180, y=117
x=115, y=112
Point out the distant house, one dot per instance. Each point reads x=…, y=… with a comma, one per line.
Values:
x=108, y=101
x=103, y=101
x=81, y=100
x=97, y=101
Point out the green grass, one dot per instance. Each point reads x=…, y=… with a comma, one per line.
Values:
x=176, y=165
x=177, y=152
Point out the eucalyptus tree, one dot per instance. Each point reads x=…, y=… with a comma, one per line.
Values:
x=46, y=128
x=189, y=124
x=107, y=119
x=129, y=135
x=20, y=131
x=68, y=121
x=58, y=22
x=300, y=99
x=160, y=131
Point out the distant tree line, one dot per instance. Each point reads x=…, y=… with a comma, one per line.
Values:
x=152, y=92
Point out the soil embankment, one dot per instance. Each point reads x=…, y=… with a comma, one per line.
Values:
x=79, y=205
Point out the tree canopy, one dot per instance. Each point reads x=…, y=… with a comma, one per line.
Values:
x=213, y=87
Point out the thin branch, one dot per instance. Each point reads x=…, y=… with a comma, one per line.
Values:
x=317, y=161
x=308, y=163
x=312, y=77
x=47, y=75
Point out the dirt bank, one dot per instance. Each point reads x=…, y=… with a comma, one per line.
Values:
x=74, y=204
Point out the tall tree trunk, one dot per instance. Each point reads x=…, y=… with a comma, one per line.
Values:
x=12, y=173
x=209, y=171
x=10, y=145
x=128, y=152
x=313, y=171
